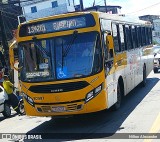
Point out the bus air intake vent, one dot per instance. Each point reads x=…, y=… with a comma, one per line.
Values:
x=58, y=88
x=46, y=108
x=73, y=107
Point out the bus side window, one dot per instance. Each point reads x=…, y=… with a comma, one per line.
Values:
x=150, y=35
x=147, y=35
x=134, y=39
x=138, y=36
x=125, y=37
x=131, y=36
x=122, y=37
x=143, y=36
x=128, y=37
x=108, y=53
x=105, y=46
x=116, y=37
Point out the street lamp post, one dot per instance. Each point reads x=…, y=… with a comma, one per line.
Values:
x=105, y=5
x=81, y=5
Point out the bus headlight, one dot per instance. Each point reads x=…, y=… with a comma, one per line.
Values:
x=89, y=96
x=98, y=89
x=28, y=99
x=93, y=93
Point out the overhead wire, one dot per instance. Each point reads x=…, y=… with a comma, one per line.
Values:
x=144, y=8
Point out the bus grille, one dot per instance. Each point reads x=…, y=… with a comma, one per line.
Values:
x=57, y=88
x=46, y=109
x=70, y=107
x=73, y=107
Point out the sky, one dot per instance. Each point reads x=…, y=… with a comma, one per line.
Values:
x=130, y=7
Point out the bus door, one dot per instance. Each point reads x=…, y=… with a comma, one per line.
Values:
x=109, y=70
x=13, y=52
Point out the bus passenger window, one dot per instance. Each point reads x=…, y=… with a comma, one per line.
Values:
x=143, y=36
x=147, y=35
x=116, y=37
x=122, y=37
x=134, y=39
x=105, y=46
x=125, y=37
x=150, y=36
x=128, y=37
x=131, y=36
x=29, y=58
x=138, y=36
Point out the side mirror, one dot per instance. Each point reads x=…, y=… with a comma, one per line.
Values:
x=109, y=41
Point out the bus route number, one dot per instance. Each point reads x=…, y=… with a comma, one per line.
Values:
x=36, y=29
x=64, y=24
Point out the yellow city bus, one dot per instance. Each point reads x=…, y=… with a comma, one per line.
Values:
x=83, y=62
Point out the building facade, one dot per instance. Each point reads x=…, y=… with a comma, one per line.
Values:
x=156, y=31
x=149, y=17
x=42, y=8
x=107, y=9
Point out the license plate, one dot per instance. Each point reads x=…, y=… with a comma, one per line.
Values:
x=58, y=109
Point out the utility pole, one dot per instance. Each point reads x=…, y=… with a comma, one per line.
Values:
x=81, y=5
x=94, y=3
x=3, y=35
x=105, y=5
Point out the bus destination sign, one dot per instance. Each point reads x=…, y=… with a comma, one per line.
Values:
x=57, y=25
x=54, y=26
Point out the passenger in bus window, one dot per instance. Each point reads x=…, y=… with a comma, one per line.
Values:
x=28, y=58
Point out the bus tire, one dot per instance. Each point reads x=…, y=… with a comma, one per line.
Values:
x=117, y=105
x=143, y=83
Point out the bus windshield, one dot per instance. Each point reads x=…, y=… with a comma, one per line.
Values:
x=60, y=58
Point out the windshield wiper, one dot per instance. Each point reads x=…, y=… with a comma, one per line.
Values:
x=40, y=47
x=65, y=53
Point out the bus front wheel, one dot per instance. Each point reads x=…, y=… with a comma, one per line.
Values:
x=117, y=105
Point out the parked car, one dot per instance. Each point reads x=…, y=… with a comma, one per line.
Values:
x=156, y=51
x=4, y=105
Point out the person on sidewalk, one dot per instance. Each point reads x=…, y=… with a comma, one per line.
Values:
x=8, y=87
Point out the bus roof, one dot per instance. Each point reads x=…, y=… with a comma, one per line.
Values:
x=112, y=17
x=124, y=18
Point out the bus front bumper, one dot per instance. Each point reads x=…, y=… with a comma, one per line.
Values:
x=62, y=109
